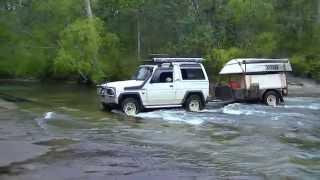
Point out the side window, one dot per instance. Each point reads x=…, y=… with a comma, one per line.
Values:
x=192, y=74
x=162, y=76
x=166, y=77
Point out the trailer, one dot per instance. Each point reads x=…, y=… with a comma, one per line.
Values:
x=252, y=79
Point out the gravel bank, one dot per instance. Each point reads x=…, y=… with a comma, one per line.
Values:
x=303, y=87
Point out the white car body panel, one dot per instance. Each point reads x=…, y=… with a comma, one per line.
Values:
x=267, y=81
x=122, y=84
x=160, y=95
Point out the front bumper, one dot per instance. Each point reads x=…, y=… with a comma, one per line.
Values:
x=105, y=97
x=108, y=99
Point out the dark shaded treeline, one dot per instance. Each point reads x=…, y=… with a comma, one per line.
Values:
x=96, y=39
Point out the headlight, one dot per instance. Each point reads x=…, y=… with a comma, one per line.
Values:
x=110, y=92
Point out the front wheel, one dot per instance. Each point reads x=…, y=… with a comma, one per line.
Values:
x=194, y=103
x=130, y=106
x=271, y=98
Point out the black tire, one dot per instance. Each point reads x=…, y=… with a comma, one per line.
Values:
x=271, y=98
x=105, y=107
x=190, y=103
x=130, y=102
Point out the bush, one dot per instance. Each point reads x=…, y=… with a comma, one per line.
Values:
x=264, y=45
x=306, y=66
x=82, y=51
x=300, y=66
x=314, y=65
x=216, y=59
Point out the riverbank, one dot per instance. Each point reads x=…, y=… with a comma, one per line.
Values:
x=303, y=87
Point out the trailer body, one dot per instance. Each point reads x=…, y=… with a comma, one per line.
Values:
x=255, y=80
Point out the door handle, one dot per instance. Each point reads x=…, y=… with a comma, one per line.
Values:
x=171, y=85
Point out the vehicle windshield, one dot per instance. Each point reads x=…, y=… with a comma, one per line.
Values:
x=142, y=73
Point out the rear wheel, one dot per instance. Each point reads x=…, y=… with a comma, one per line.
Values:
x=271, y=98
x=130, y=106
x=194, y=103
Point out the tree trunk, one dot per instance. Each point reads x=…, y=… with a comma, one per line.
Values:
x=318, y=11
x=196, y=6
x=88, y=8
x=86, y=78
x=138, y=37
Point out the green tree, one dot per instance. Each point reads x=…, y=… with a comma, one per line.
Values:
x=80, y=49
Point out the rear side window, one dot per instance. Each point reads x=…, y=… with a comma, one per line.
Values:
x=192, y=74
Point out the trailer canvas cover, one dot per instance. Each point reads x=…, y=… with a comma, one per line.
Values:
x=253, y=66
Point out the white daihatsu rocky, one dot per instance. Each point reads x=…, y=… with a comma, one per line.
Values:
x=166, y=83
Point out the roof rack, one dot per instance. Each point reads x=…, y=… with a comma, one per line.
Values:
x=171, y=60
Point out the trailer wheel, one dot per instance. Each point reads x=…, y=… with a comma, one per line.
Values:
x=130, y=106
x=271, y=98
x=194, y=103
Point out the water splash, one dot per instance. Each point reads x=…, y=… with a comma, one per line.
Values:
x=42, y=121
x=242, y=109
x=48, y=115
x=174, y=116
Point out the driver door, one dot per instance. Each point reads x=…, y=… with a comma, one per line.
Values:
x=160, y=90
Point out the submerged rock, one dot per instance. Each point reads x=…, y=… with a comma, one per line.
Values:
x=17, y=151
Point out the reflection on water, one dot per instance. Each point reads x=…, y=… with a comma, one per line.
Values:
x=238, y=141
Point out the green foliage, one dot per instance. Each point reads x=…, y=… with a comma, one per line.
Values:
x=264, y=45
x=253, y=12
x=315, y=69
x=306, y=66
x=301, y=68
x=80, y=49
x=55, y=38
x=216, y=58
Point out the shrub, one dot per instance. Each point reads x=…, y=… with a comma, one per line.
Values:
x=299, y=65
x=216, y=59
x=306, y=66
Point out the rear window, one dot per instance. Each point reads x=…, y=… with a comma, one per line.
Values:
x=192, y=74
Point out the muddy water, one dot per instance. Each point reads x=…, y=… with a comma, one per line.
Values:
x=238, y=141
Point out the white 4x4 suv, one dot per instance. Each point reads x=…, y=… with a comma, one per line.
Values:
x=166, y=83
